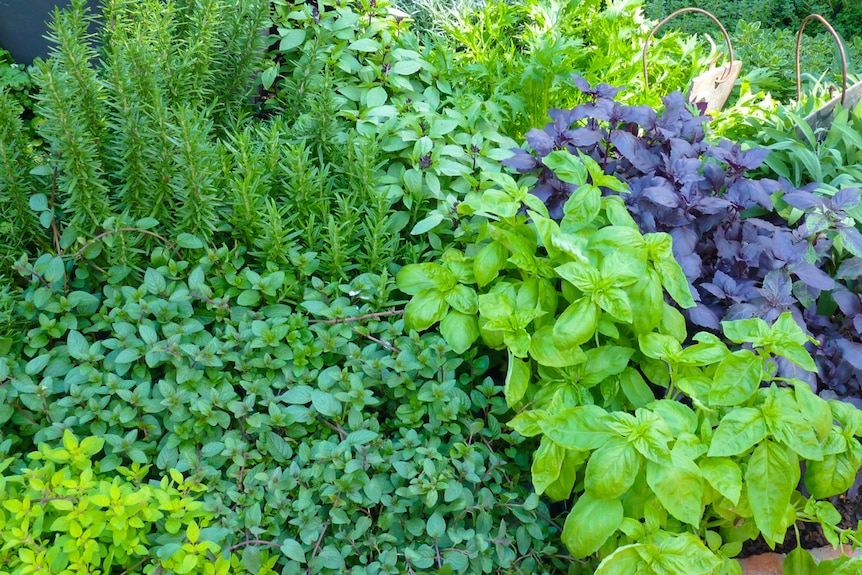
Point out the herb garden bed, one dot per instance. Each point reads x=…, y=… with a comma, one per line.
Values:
x=352, y=327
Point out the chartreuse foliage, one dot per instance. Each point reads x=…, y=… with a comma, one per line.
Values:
x=60, y=514
x=324, y=438
x=674, y=450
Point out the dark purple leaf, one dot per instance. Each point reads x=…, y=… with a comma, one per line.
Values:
x=803, y=200
x=704, y=317
x=662, y=193
x=851, y=352
x=523, y=161
x=850, y=269
x=643, y=116
x=848, y=302
x=813, y=276
x=712, y=205
x=581, y=83
x=634, y=150
x=846, y=199
x=714, y=174
x=583, y=137
x=540, y=141
x=777, y=289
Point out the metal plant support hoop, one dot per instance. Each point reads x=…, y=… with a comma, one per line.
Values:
x=716, y=98
x=832, y=31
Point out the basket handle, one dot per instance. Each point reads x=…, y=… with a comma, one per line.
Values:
x=663, y=22
x=840, y=50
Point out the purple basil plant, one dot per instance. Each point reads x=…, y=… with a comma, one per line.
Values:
x=742, y=259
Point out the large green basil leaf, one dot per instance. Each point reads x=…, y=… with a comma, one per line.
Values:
x=582, y=428
x=415, y=278
x=724, y=475
x=626, y=560
x=488, y=263
x=635, y=388
x=589, y=524
x=679, y=487
x=561, y=489
x=738, y=431
x=567, y=167
x=463, y=299
x=615, y=301
x=460, y=330
x=684, y=554
x=647, y=301
x=517, y=379
x=835, y=474
x=737, y=378
x=546, y=350
x=603, y=362
x=612, y=469
x=577, y=324
x=581, y=275
x=769, y=481
x=788, y=426
x=425, y=309
x=547, y=462
x=582, y=208
x=660, y=346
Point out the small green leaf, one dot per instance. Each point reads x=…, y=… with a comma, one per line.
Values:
x=190, y=242
x=154, y=282
x=364, y=45
x=799, y=562
x=436, y=526
x=590, y=523
x=325, y=403
x=293, y=38
x=416, y=278
x=293, y=550
x=55, y=270
x=406, y=67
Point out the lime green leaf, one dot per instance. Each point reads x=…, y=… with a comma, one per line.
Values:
x=603, y=362
x=590, y=523
x=684, y=553
x=415, y=278
x=577, y=324
x=737, y=378
x=583, y=276
x=612, y=469
x=425, y=309
x=660, y=346
x=635, y=388
x=517, y=379
x=724, y=475
x=567, y=167
x=627, y=560
x=753, y=330
x=769, y=482
x=547, y=462
x=580, y=428
x=497, y=308
x=462, y=299
x=647, y=302
x=799, y=562
x=193, y=532
x=488, y=263
x=738, y=431
x=546, y=350
x=679, y=488
x=615, y=301
x=582, y=208
x=460, y=330
x=835, y=474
